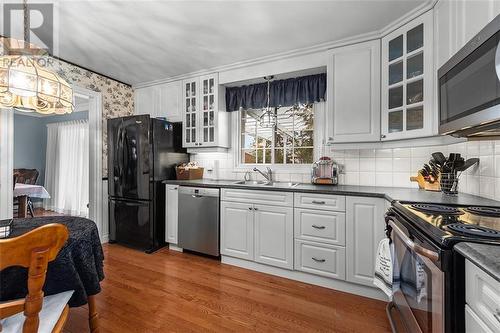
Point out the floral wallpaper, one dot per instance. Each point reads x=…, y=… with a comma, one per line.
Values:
x=117, y=98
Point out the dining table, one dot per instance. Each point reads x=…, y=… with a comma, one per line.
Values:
x=79, y=265
x=23, y=191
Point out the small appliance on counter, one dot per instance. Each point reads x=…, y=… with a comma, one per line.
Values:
x=325, y=172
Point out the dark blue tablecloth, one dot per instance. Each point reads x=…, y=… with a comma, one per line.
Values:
x=78, y=266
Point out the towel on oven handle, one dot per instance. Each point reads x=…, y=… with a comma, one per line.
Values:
x=385, y=266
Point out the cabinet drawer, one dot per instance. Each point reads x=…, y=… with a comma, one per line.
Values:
x=320, y=226
x=320, y=259
x=482, y=294
x=320, y=201
x=273, y=198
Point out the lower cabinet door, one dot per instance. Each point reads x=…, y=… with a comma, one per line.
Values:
x=365, y=226
x=320, y=259
x=172, y=213
x=274, y=235
x=474, y=324
x=237, y=228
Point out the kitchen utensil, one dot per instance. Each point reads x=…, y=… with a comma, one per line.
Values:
x=467, y=164
x=439, y=158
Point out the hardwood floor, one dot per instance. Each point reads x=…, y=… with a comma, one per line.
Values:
x=177, y=292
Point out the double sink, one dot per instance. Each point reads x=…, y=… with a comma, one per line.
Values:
x=264, y=183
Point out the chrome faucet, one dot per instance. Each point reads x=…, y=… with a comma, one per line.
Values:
x=268, y=175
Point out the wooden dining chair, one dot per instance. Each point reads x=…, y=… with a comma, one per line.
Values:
x=26, y=176
x=35, y=313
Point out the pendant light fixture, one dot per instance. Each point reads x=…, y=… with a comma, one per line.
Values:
x=25, y=82
x=268, y=117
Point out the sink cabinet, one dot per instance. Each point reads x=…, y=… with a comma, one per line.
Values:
x=259, y=232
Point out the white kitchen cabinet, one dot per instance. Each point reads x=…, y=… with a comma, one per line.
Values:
x=472, y=16
x=274, y=235
x=160, y=101
x=320, y=226
x=145, y=100
x=206, y=124
x=171, y=213
x=320, y=259
x=353, y=93
x=482, y=295
x=237, y=230
x=474, y=324
x=444, y=33
x=170, y=103
x=365, y=226
x=408, y=79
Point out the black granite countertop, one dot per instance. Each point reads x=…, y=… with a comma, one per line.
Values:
x=485, y=256
x=389, y=193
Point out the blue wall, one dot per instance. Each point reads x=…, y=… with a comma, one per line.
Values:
x=30, y=140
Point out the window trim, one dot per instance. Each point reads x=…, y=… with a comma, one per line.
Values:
x=319, y=139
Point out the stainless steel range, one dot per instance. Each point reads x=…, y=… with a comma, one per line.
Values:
x=428, y=281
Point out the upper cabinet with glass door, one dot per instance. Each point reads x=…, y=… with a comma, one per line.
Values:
x=205, y=120
x=407, y=81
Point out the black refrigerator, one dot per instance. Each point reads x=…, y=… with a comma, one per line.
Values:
x=142, y=152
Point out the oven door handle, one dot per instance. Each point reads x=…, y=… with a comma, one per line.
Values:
x=434, y=256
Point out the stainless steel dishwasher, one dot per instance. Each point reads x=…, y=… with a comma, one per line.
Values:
x=199, y=219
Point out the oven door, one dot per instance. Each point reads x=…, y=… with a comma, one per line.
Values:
x=418, y=282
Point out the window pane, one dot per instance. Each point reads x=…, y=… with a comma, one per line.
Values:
x=278, y=156
x=304, y=155
x=415, y=92
x=414, y=118
x=415, y=38
x=415, y=66
x=304, y=139
x=396, y=48
x=395, y=121
x=396, y=73
x=248, y=156
x=276, y=145
x=395, y=97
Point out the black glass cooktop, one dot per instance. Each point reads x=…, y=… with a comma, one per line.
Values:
x=448, y=224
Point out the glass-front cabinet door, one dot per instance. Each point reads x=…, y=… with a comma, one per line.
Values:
x=407, y=91
x=190, y=108
x=208, y=112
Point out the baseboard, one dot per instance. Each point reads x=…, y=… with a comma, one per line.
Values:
x=174, y=247
x=339, y=285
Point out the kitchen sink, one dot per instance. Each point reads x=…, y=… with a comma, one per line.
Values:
x=266, y=183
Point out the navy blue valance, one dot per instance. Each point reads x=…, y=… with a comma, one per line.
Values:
x=288, y=92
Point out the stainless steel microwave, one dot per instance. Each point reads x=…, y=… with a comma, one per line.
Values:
x=469, y=87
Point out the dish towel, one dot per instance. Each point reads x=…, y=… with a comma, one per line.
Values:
x=384, y=267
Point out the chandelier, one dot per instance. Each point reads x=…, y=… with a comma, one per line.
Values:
x=268, y=117
x=26, y=84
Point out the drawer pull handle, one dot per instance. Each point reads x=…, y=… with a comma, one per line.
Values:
x=321, y=227
x=318, y=260
x=318, y=202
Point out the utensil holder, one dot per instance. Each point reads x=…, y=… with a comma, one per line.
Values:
x=449, y=183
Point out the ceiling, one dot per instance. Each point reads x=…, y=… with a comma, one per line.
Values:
x=141, y=41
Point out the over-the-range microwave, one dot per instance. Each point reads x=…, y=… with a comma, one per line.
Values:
x=469, y=87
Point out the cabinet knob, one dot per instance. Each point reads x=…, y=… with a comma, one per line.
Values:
x=250, y=208
x=255, y=209
x=383, y=136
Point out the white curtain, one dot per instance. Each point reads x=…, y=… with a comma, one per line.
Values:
x=67, y=167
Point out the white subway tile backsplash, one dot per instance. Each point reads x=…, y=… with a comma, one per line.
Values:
x=401, y=152
x=367, y=178
x=383, y=179
x=487, y=166
x=366, y=164
x=383, y=153
x=401, y=164
x=382, y=167
x=351, y=164
x=383, y=164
